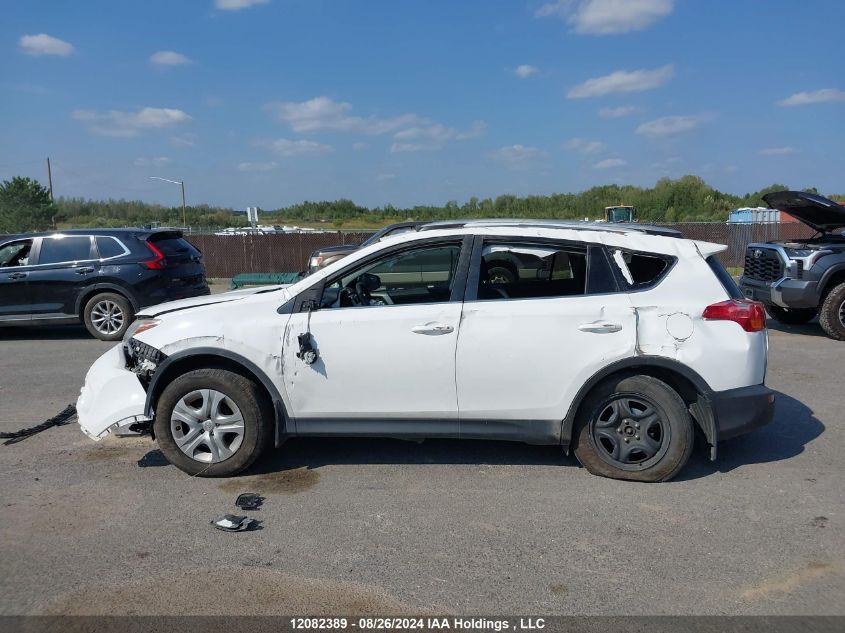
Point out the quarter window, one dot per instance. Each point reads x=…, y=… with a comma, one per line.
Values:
x=421, y=275
x=69, y=248
x=640, y=270
x=109, y=247
x=526, y=271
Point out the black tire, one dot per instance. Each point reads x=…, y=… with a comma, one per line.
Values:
x=500, y=274
x=255, y=411
x=97, y=319
x=791, y=316
x=832, y=313
x=675, y=437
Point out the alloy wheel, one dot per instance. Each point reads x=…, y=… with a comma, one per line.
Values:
x=107, y=317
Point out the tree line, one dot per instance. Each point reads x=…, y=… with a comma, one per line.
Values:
x=25, y=205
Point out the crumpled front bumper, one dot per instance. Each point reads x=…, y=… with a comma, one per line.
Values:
x=112, y=396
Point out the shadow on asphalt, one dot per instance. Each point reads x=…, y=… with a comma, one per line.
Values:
x=316, y=452
x=41, y=333
x=793, y=427
x=810, y=329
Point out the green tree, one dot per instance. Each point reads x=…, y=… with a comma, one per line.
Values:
x=24, y=206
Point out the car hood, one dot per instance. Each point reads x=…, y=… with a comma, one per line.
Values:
x=341, y=248
x=206, y=300
x=815, y=211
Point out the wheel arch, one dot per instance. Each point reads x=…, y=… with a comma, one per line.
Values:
x=833, y=276
x=210, y=357
x=100, y=288
x=690, y=386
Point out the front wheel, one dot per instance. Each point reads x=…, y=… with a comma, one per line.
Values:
x=633, y=427
x=832, y=313
x=791, y=316
x=212, y=422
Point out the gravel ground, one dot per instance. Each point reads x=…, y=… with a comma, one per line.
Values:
x=384, y=526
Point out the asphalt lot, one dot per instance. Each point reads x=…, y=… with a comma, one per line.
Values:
x=383, y=526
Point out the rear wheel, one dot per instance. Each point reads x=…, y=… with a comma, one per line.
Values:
x=107, y=315
x=832, y=313
x=633, y=427
x=791, y=316
x=212, y=422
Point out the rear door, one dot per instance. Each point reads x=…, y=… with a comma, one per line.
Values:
x=183, y=268
x=529, y=341
x=15, y=258
x=66, y=264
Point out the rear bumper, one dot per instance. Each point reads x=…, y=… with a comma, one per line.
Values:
x=785, y=292
x=112, y=396
x=738, y=411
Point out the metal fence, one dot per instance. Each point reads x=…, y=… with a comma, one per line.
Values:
x=229, y=255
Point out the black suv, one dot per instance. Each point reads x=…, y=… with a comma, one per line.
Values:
x=802, y=278
x=98, y=276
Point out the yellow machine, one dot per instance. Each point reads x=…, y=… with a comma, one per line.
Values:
x=621, y=213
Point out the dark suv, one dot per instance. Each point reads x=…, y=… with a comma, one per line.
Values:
x=98, y=276
x=800, y=279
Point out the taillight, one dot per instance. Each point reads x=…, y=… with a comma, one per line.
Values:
x=158, y=262
x=751, y=315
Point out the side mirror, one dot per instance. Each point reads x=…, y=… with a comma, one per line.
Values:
x=369, y=282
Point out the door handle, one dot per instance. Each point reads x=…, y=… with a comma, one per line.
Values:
x=84, y=271
x=432, y=329
x=18, y=275
x=600, y=327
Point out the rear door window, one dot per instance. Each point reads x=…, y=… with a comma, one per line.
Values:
x=65, y=249
x=527, y=271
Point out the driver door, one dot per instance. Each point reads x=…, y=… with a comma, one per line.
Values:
x=386, y=348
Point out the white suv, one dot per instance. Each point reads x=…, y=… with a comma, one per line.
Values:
x=612, y=341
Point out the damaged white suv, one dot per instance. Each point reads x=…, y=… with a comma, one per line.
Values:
x=612, y=341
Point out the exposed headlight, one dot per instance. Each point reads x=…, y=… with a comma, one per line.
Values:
x=138, y=326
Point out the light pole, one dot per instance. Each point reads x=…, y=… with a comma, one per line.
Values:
x=181, y=183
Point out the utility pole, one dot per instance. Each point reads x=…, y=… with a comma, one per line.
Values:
x=184, y=222
x=181, y=183
x=50, y=181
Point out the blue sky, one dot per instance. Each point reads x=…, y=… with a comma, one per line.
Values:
x=271, y=102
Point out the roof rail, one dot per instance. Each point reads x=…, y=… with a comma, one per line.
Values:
x=553, y=224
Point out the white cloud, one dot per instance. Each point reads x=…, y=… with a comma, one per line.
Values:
x=616, y=113
x=517, y=156
x=324, y=114
x=623, y=81
x=524, y=71
x=127, y=124
x=169, y=58
x=777, y=151
x=825, y=95
x=439, y=134
x=608, y=163
x=184, y=140
x=669, y=125
x=385, y=177
x=584, y=146
x=159, y=161
x=300, y=147
x=360, y=146
x=43, y=44
x=603, y=17
x=253, y=167
x=237, y=5
x=397, y=148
